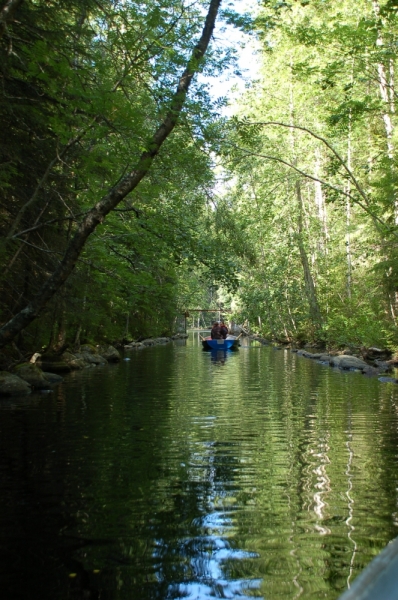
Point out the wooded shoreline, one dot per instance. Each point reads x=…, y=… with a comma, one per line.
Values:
x=128, y=192
x=42, y=371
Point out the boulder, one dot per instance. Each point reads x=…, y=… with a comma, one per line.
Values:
x=376, y=353
x=12, y=384
x=344, y=361
x=72, y=361
x=324, y=358
x=134, y=346
x=53, y=377
x=307, y=354
x=370, y=371
x=89, y=348
x=91, y=358
x=34, y=376
x=388, y=380
x=162, y=340
x=109, y=353
x=383, y=366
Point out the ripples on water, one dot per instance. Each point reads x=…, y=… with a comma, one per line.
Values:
x=183, y=474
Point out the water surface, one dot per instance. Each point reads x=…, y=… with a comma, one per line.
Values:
x=186, y=474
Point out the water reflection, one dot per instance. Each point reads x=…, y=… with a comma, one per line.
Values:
x=219, y=356
x=167, y=476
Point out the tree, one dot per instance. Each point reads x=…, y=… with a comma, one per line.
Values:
x=312, y=138
x=170, y=111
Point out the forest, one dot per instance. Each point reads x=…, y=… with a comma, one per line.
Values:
x=131, y=191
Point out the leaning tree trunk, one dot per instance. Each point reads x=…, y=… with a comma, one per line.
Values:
x=7, y=14
x=98, y=213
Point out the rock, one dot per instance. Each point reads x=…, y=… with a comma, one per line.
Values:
x=134, y=346
x=109, y=353
x=376, y=353
x=309, y=355
x=72, y=361
x=370, y=371
x=344, y=361
x=53, y=363
x=52, y=377
x=88, y=348
x=388, y=380
x=383, y=366
x=91, y=359
x=306, y=354
x=155, y=341
x=34, y=376
x=325, y=358
x=12, y=384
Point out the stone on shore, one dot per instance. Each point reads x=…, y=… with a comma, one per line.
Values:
x=34, y=376
x=388, y=380
x=91, y=358
x=72, y=361
x=53, y=377
x=109, y=353
x=12, y=385
x=346, y=362
x=134, y=346
x=155, y=341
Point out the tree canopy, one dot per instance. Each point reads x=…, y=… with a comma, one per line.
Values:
x=127, y=192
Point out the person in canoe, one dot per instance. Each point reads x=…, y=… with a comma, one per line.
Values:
x=215, y=332
x=223, y=330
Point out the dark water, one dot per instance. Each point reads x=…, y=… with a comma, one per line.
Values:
x=179, y=474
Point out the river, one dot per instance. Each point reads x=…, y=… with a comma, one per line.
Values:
x=183, y=474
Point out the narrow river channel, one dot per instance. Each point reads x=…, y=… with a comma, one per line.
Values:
x=183, y=474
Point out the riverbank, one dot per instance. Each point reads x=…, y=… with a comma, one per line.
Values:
x=42, y=371
x=373, y=362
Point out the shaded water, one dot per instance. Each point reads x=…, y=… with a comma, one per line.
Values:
x=183, y=474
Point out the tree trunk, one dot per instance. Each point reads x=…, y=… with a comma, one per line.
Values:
x=348, y=214
x=7, y=13
x=315, y=312
x=128, y=183
x=386, y=87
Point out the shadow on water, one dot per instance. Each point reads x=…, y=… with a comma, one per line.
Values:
x=164, y=477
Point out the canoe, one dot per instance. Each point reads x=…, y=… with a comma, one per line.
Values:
x=230, y=342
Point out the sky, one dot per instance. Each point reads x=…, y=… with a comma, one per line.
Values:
x=229, y=84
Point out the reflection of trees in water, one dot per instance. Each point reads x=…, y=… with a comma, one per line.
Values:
x=177, y=477
x=204, y=550
x=350, y=502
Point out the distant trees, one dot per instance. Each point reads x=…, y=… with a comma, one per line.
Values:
x=315, y=144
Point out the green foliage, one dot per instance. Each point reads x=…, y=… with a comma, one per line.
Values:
x=85, y=85
x=327, y=67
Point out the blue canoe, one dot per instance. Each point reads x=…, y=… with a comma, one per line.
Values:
x=227, y=344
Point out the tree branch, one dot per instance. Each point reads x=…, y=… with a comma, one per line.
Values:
x=325, y=183
x=7, y=13
x=128, y=183
x=320, y=138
